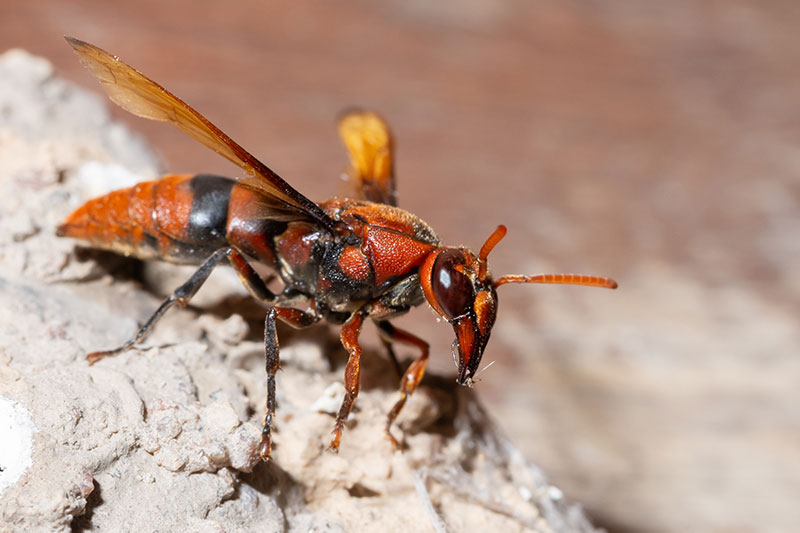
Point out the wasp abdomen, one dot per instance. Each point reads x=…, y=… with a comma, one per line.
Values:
x=179, y=218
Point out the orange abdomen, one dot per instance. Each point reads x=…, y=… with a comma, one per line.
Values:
x=179, y=218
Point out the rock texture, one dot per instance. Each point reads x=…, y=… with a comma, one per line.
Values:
x=655, y=142
x=163, y=437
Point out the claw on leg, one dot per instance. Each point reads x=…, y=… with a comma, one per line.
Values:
x=265, y=446
x=96, y=356
x=333, y=447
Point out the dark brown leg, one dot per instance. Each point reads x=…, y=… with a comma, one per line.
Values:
x=180, y=296
x=296, y=319
x=352, y=374
x=392, y=356
x=250, y=278
x=412, y=377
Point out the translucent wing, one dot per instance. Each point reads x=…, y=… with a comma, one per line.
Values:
x=143, y=97
x=371, y=147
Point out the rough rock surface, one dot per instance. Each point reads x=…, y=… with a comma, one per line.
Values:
x=163, y=437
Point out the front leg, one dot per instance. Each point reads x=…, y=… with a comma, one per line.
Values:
x=412, y=376
x=352, y=374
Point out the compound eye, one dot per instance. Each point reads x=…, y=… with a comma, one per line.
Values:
x=452, y=289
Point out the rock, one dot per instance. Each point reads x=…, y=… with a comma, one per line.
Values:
x=164, y=437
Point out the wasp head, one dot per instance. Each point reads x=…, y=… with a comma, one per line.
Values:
x=458, y=286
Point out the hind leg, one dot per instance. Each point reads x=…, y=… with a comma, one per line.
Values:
x=180, y=296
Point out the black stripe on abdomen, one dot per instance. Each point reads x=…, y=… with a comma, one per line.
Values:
x=210, y=198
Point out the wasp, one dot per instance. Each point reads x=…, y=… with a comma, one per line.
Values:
x=344, y=260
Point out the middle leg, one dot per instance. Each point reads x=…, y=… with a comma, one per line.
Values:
x=296, y=319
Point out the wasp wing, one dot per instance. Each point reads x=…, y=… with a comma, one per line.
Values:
x=370, y=145
x=138, y=94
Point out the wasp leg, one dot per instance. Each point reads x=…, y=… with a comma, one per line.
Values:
x=250, y=279
x=180, y=296
x=392, y=356
x=412, y=376
x=296, y=319
x=352, y=374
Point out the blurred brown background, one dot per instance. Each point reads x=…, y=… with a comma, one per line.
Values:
x=655, y=142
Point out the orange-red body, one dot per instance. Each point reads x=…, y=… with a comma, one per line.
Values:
x=350, y=259
x=185, y=218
